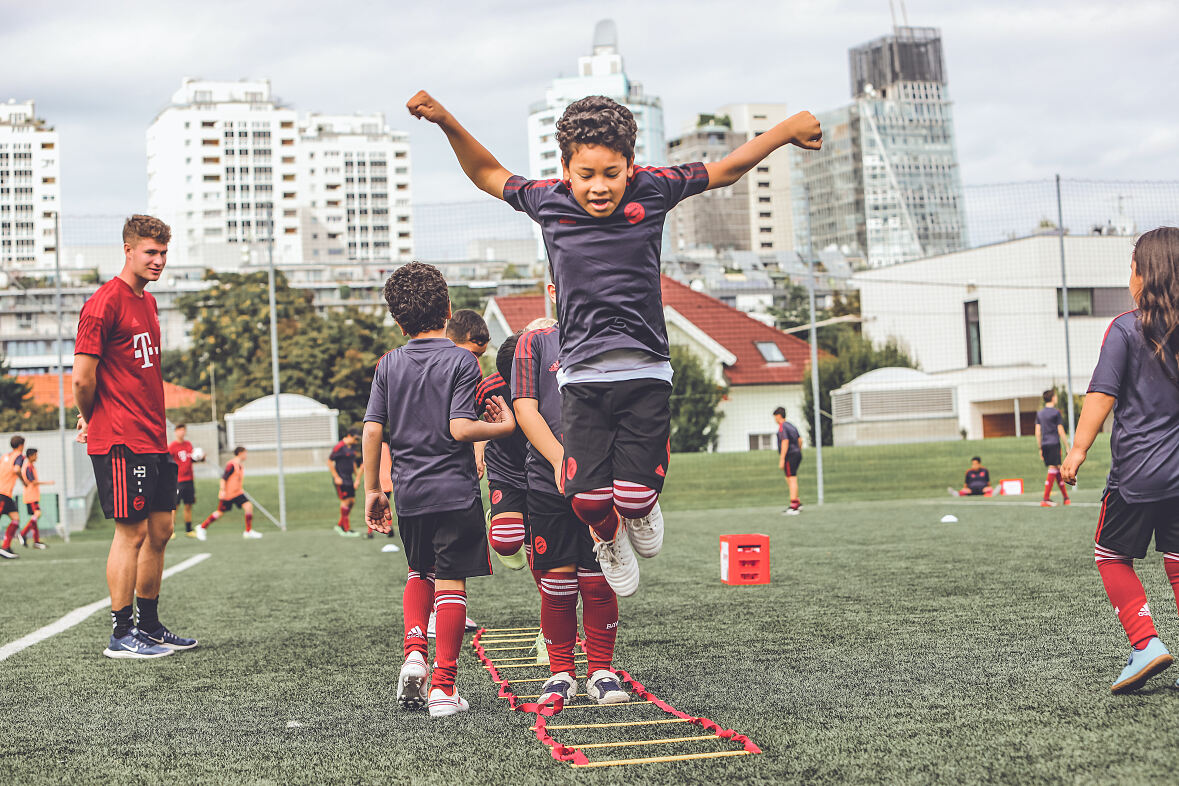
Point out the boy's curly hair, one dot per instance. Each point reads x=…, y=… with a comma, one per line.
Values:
x=417, y=297
x=597, y=120
x=139, y=227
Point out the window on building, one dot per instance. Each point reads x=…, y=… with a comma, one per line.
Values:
x=770, y=352
x=763, y=169
x=1094, y=301
x=761, y=441
x=973, y=334
x=763, y=200
x=767, y=245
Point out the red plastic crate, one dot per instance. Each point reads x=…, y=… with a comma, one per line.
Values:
x=745, y=559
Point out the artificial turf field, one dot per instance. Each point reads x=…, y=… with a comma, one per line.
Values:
x=889, y=647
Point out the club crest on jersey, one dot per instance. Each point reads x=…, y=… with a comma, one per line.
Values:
x=634, y=212
x=144, y=349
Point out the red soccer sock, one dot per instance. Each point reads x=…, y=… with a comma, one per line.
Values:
x=558, y=616
x=1063, y=486
x=212, y=517
x=416, y=603
x=596, y=508
x=507, y=534
x=1126, y=594
x=1049, y=482
x=8, y=533
x=249, y=521
x=599, y=619
x=450, y=623
x=31, y=527
x=634, y=500
x=1171, y=565
x=345, y=514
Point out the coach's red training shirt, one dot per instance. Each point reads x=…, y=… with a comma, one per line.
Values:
x=182, y=455
x=123, y=332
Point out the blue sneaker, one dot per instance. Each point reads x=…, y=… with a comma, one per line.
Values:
x=166, y=638
x=1143, y=664
x=131, y=646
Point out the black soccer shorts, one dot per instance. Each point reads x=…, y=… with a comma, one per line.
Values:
x=34, y=508
x=186, y=492
x=7, y=505
x=451, y=542
x=507, y=499
x=1126, y=527
x=132, y=485
x=792, y=462
x=226, y=505
x=616, y=431
x=346, y=491
x=557, y=536
x=1051, y=455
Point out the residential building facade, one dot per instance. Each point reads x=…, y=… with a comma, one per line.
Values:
x=30, y=190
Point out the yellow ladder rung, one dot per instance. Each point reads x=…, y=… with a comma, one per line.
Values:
x=528, y=657
x=524, y=665
x=514, y=681
x=506, y=641
x=507, y=630
x=657, y=759
x=627, y=743
x=504, y=649
x=616, y=723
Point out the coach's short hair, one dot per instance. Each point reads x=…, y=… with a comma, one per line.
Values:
x=1048, y=394
x=417, y=298
x=466, y=326
x=597, y=120
x=780, y=411
x=140, y=227
x=16, y=441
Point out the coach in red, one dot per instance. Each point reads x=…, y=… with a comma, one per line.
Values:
x=119, y=388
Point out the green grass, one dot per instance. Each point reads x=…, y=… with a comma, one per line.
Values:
x=888, y=648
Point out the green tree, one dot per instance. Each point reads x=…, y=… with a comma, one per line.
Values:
x=695, y=397
x=18, y=412
x=854, y=355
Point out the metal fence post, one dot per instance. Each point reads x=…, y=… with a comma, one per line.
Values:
x=815, y=386
x=1068, y=354
x=282, y=491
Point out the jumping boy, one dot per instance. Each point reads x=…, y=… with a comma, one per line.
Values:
x=182, y=453
x=119, y=388
x=344, y=463
x=32, y=499
x=603, y=226
x=565, y=558
x=1052, y=439
x=789, y=458
x=425, y=393
x=231, y=492
x=11, y=467
x=977, y=482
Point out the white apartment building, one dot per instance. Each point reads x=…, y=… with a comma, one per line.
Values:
x=771, y=224
x=356, y=176
x=30, y=189
x=224, y=159
x=599, y=73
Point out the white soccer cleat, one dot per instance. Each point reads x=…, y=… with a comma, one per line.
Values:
x=201, y=534
x=252, y=534
x=431, y=624
x=618, y=562
x=442, y=705
x=562, y=685
x=646, y=533
x=605, y=688
x=411, y=682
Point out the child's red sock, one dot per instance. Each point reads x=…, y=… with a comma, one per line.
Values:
x=599, y=619
x=345, y=514
x=1063, y=486
x=416, y=603
x=507, y=533
x=634, y=500
x=212, y=517
x=558, y=616
x=249, y=521
x=1171, y=565
x=8, y=533
x=596, y=508
x=1048, y=483
x=1126, y=594
x=450, y=621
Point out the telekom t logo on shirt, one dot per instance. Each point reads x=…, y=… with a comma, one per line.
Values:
x=143, y=349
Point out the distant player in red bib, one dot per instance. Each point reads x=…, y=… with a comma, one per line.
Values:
x=32, y=500
x=1137, y=377
x=184, y=454
x=231, y=493
x=119, y=388
x=603, y=227
x=344, y=463
x=11, y=466
x=977, y=482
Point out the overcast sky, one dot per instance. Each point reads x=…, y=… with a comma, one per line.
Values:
x=1084, y=88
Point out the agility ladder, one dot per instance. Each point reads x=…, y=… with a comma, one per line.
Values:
x=525, y=639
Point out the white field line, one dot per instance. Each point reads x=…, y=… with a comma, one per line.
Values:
x=1005, y=503
x=81, y=613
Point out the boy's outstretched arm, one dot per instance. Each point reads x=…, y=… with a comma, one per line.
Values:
x=479, y=164
x=801, y=129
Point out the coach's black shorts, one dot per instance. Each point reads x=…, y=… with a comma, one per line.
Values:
x=507, y=499
x=132, y=485
x=7, y=505
x=451, y=542
x=1051, y=455
x=33, y=508
x=1126, y=527
x=185, y=492
x=226, y=505
x=345, y=490
x=616, y=431
x=792, y=462
x=557, y=536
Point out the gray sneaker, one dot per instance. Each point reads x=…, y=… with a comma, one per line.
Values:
x=618, y=562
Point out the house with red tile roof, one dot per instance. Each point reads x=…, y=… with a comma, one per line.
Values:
x=761, y=366
x=43, y=390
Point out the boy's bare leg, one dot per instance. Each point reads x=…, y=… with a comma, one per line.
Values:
x=122, y=566
x=151, y=556
x=792, y=484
